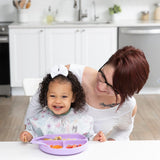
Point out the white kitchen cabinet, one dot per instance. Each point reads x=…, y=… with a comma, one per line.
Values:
x=34, y=51
x=98, y=44
x=26, y=54
x=89, y=46
x=60, y=47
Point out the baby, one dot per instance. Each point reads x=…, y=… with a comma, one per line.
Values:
x=62, y=99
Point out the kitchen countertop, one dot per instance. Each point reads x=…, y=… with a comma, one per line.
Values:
x=124, y=23
x=115, y=150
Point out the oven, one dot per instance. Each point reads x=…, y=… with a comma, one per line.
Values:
x=5, y=89
x=146, y=39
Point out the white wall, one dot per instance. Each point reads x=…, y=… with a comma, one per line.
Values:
x=130, y=8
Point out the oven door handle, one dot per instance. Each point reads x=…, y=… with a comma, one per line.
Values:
x=140, y=31
x=3, y=39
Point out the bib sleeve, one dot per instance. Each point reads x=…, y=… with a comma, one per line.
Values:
x=33, y=108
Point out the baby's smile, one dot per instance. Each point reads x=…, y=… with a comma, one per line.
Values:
x=57, y=107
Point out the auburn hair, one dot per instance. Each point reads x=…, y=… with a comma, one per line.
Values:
x=131, y=71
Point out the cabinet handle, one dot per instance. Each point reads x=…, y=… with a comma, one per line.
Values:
x=41, y=30
x=83, y=30
x=77, y=30
x=140, y=31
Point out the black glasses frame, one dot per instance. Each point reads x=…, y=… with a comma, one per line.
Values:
x=105, y=81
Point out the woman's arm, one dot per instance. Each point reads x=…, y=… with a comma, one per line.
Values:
x=134, y=111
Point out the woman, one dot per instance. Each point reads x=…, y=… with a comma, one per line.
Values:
x=109, y=92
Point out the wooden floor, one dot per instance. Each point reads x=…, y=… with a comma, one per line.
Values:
x=12, y=112
x=147, y=121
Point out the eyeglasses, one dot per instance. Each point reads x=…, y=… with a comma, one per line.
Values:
x=105, y=81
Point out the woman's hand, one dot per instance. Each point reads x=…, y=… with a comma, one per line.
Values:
x=100, y=137
x=26, y=136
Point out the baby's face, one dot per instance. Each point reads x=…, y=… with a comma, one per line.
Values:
x=59, y=97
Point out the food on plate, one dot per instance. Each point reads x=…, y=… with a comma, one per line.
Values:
x=73, y=146
x=57, y=138
x=65, y=139
x=47, y=139
x=56, y=146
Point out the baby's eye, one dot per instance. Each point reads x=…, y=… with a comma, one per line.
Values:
x=64, y=96
x=52, y=95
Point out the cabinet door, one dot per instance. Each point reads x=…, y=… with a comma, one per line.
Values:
x=61, y=46
x=26, y=55
x=98, y=45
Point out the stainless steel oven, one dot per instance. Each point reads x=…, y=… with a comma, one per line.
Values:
x=5, y=89
x=148, y=40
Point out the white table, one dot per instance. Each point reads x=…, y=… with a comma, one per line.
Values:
x=111, y=150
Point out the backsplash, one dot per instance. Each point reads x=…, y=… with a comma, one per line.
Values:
x=131, y=9
x=7, y=11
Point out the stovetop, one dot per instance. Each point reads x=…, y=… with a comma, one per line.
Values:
x=5, y=23
x=4, y=27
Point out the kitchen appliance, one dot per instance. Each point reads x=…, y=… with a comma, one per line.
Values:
x=5, y=89
x=147, y=39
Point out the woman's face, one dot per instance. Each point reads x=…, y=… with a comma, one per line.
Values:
x=104, y=82
x=59, y=97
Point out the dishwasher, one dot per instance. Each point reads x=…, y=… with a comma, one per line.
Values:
x=148, y=40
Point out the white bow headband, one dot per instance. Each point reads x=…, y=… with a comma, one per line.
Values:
x=59, y=69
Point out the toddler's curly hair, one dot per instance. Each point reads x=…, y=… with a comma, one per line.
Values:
x=78, y=92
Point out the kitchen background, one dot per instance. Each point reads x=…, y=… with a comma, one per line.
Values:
x=13, y=108
x=112, y=35
x=131, y=9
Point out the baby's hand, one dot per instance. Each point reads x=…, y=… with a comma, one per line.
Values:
x=100, y=137
x=26, y=136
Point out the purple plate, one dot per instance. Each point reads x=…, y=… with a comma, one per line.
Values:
x=67, y=139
